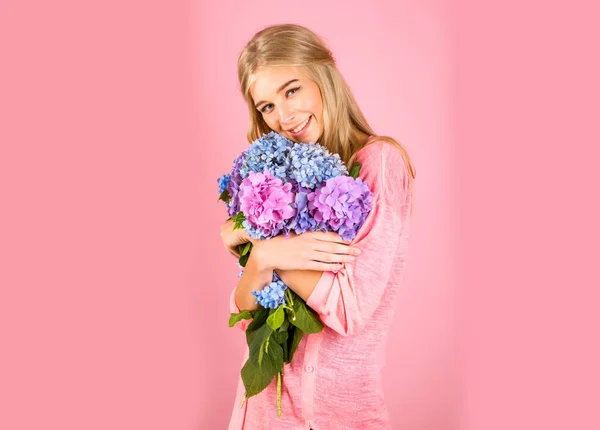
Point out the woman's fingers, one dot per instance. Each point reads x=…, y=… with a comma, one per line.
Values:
x=333, y=245
x=336, y=248
x=333, y=258
x=329, y=236
x=324, y=267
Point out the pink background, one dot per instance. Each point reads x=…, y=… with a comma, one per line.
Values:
x=527, y=115
x=116, y=119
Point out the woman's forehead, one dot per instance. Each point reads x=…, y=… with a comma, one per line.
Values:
x=267, y=80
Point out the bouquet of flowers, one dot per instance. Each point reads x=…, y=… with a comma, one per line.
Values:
x=275, y=187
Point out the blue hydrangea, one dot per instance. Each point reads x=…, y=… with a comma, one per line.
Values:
x=261, y=234
x=273, y=295
x=224, y=182
x=270, y=151
x=241, y=270
x=311, y=163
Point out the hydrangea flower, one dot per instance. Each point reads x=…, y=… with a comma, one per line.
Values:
x=233, y=207
x=256, y=232
x=271, y=152
x=273, y=295
x=224, y=182
x=341, y=205
x=281, y=186
x=265, y=201
x=303, y=221
x=311, y=163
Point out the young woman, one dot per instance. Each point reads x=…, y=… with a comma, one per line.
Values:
x=292, y=86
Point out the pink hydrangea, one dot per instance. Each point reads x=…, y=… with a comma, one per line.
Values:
x=265, y=201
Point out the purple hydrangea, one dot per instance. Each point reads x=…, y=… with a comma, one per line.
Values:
x=271, y=152
x=311, y=164
x=265, y=201
x=341, y=205
x=273, y=295
x=233, y=207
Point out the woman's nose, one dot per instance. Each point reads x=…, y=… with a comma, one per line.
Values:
x=285, y=115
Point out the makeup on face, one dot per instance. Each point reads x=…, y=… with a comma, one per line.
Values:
x=289, y=103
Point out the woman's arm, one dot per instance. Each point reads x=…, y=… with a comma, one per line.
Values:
x=346, y=300
x=302, y=282
x=301, y=259
x=255, y=277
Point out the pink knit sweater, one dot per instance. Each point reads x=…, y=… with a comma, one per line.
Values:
x=334, y=379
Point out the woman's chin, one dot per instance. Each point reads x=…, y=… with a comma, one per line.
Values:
x=311, y=138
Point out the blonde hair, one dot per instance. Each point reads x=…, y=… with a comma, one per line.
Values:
x=295, y=45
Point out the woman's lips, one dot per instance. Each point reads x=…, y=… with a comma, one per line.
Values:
x=304, y=130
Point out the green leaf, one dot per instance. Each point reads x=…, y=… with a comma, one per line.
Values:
x=257, y=333
x=280, y=337
x=238, y=219
x=245, y=248
x=256, y=339
x=293, y=342
x=225, y=196
x=244, y=251
x=284, y=326
x=305, y=318
x=355, y=170
x=261, y=352
x=286, y=352
x=243, y=315
x=260, y=317
x=257, y=378
x=275, y=320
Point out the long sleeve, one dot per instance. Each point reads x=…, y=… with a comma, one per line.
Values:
x=346, y=300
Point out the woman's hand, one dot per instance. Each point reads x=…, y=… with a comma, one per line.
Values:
x=232, y=238
x=308, y=251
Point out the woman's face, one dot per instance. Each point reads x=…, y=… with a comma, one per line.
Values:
x=287, y=99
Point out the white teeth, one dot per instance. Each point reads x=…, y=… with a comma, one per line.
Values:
x=301, y=126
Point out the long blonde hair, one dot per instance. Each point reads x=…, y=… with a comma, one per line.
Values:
x=295, y=45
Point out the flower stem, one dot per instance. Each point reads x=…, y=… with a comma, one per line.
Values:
x=289, y=296
x=279, y=393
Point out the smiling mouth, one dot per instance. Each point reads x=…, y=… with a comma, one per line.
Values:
x=301, y=127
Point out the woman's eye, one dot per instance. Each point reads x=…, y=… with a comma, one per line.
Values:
x=265, y=110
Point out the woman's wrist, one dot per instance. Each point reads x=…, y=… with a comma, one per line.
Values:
x=258, y=263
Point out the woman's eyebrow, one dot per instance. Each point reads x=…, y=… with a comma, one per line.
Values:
x=278, y=90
